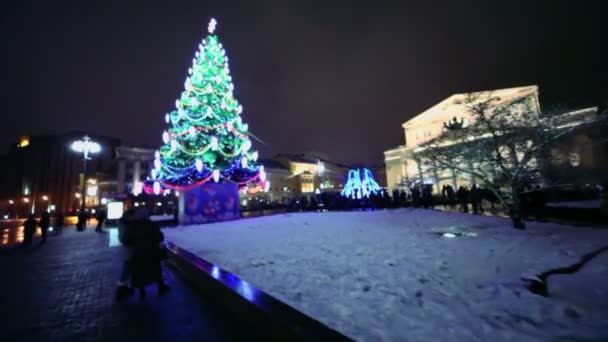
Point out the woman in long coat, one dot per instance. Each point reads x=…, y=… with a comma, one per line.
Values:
x=147, y=255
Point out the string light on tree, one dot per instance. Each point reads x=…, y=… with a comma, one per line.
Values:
x=206, y=138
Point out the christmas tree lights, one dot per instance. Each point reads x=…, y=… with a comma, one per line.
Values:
x=207, y=139
x=360, y=185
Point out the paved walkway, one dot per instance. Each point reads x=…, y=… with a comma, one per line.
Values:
x=63, y=291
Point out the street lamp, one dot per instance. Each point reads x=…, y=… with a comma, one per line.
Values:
x=85, y=146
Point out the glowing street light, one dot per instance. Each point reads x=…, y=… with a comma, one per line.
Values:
x=85, y=146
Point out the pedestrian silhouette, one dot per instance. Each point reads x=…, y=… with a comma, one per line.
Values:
x=100, y=216
x=82, y=221
x=59, y=221
x=29, y=227
x=463, y=197
x=45, y=223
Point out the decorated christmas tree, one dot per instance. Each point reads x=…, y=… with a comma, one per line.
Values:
x=207, y=139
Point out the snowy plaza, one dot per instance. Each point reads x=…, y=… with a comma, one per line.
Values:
x=392, y=275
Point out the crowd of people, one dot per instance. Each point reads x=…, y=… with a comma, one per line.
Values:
x=473, y=199
x=56, y=220
x=31, y=224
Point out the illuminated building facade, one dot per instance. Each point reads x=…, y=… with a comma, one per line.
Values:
x=585, y=161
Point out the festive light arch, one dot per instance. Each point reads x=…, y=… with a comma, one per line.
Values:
x=360, y=184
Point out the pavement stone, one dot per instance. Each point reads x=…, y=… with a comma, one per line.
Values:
x=64, y=291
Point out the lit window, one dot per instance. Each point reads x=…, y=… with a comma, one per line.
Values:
x=574, y=158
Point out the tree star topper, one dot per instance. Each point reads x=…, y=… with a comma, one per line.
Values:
x=212, y=24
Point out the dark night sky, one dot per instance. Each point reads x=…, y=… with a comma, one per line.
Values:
x=332, y=76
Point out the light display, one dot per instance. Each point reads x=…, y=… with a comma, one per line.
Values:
x=207, y=139
x=360, y=184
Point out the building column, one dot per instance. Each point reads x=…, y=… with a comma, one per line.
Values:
x=136, y=172
x=120, y=179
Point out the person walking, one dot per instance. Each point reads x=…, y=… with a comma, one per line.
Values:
x=126, y=238
x=29, y=227
x=82, y=221
x=463, y=197
x=147, y=253
x=45, y=223
x=100, y=216
x=59, y=222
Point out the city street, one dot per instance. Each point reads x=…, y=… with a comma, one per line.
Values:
x=64, y=291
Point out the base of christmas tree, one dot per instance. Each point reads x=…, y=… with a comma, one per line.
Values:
x=210, y=202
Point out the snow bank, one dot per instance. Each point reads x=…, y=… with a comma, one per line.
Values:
x=393, y=275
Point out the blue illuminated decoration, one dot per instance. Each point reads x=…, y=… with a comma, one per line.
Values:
x=360, y=185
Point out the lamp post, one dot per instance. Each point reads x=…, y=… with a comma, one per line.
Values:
x=85, y=146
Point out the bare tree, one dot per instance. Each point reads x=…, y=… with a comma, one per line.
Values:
x=502, y=146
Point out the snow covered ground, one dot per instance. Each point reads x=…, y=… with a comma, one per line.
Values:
x=388, y=276
x=592, y=204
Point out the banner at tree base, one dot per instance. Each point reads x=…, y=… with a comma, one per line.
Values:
x=210, y=202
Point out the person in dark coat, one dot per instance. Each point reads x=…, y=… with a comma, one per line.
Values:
x=450, y=192
x=59, y=222
x=146, y=253
x=29, y=228
x=416, y=197
x=45, y=223
x=82, y=221
x=475, y=196
x=427, y=197
x=463, y=198
x=127, y=240
x=100, y=216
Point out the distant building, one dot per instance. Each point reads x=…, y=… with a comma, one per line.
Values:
x=296, y=175
x=134, y=166
x=575, y=156
x=43, y=173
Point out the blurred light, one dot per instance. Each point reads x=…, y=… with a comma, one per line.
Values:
x=159, y=204
x=86, y=146
x=26, y=200
x=136, y=204
x=92, y=190
x=77, y=195
x=24, y=142
x=115, y=210
x=320, y=167
x=137, y=188
x=45, y=198
x=104, y=201
x=11, y=202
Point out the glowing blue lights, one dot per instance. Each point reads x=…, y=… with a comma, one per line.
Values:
x=358, y=186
